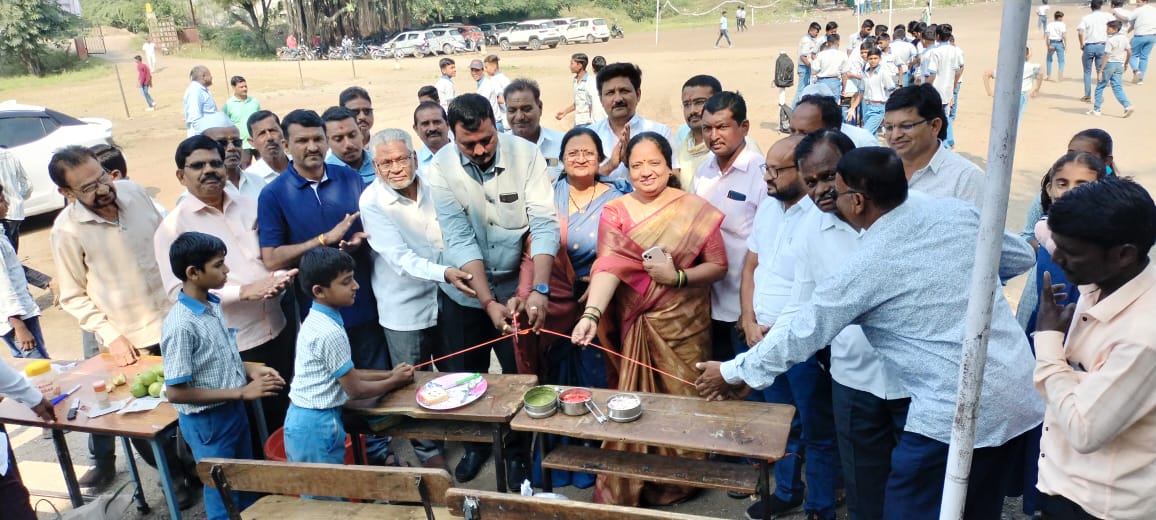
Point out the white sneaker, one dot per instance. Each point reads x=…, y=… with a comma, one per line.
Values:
x=150, y=109
x=1094, y=112
x=1128, y=111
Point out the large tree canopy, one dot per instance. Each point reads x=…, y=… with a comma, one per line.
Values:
x=29, y=29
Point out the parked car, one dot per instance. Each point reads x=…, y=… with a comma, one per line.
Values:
x=563, y=22
x=411, y=43
x=34, y=133
x=586, y=30
x=493, y=30
x=532, y=34
x=447, y=40
x=473, y=36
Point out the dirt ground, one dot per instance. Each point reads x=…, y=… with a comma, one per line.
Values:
x=149, y=139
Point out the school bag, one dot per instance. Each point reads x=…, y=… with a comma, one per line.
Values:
x=784, y=71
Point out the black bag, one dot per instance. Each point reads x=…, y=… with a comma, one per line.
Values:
x=784, y=71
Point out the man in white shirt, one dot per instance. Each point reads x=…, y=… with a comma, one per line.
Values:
x=731, y=179
x=828, y=65
x=268, y=140
x=17, y=189
x=429, y=123
x=1143, y=20
x=496, y=83
x=1042, y=15
x=524, y=111
x=857, y=39
x=399, y=215
x=1057, y=40
x=222, y=130
x=445, y=82
x=1093, y=34
x=808, y=47
x=198, y=102
x=901, y=53
x=620, y=85
x=914, y=125
x=944, y=69
x=1029, y=86
x=768, y=272
x=587, y=106
x=150, y=52
x=722, y=31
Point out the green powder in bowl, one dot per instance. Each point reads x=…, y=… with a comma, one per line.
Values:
x=540, y=396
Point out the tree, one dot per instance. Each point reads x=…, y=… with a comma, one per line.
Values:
x=130, y=14
x=29, y=29
x=253, y=14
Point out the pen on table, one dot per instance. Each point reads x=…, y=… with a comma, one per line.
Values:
x=58, y=399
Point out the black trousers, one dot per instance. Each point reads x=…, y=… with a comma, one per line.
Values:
x=1055, y=507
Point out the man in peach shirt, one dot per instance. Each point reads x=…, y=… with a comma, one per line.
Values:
x=251, y=297
x=1098, y=451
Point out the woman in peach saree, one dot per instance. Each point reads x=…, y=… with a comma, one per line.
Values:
x=659, y=250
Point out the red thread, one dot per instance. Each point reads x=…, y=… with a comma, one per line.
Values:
x=632, y=360
x=463, y=351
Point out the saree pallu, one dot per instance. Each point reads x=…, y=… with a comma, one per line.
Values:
x=662, y=326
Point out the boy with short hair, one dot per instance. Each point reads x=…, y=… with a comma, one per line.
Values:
x=21, y=325
x=1056, y=36
x=445, y=83
x=1116, y=55
x=205, y=378
x=324, y=377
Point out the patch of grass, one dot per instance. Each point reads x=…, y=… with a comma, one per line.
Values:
x=64, y=69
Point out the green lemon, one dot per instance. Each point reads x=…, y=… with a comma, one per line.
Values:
x=147, y=378
x=139, y=390
x=155, y=389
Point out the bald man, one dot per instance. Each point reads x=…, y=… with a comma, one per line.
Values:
x=198, y=101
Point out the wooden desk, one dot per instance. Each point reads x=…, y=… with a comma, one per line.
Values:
x=277, y=507
x=486, y=419
x=140, y=425
x=736, y=428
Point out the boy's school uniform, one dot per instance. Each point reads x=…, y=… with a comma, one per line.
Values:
x=198, y=349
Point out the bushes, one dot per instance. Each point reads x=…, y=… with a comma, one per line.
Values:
x=238, y=41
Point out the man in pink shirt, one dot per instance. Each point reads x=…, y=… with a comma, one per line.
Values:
x=144, y=78
x=1098, y=451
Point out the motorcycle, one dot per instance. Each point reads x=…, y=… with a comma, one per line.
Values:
x=616, y=30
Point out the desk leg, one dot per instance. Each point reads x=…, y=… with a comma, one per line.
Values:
x=65, y=460
x=765, y=486
x=166, y=478
x=138, y=495
x=262, y=426
x=547, y=475
x=358, y=448
x=500, y=456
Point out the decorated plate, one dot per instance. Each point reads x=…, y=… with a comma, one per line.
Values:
x=451, y=391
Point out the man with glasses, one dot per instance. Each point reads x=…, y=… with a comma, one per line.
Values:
x=399, y=216
x=251, y=297
x=356, y=100
x=102, y=245
x=346, y=146
x=915, y=126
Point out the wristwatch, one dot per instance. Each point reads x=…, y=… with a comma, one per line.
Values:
x=542, y=289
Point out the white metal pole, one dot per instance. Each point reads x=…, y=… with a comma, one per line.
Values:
x=1000, y=153
x=890, y=12
x=657, y=14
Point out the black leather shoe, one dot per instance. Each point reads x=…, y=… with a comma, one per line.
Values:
x=99, y=476
x=517, y=470
x=185, y=494
x=470, y=465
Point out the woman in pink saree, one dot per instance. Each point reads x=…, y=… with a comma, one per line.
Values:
x=659, y=250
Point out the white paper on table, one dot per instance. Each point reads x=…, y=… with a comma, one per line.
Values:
x=112, y=407
x=3, y=454
x=141, y=404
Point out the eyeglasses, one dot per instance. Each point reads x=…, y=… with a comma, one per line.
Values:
x=362, y=111
x=776, y=171
x=104, y=180
x=904, y=127
x=200, y=165
x=236, y=142
x=388, y=164
x=581, y=154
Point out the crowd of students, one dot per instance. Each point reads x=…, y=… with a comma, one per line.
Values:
x=828, y=273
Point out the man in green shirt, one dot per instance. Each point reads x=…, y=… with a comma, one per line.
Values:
x=239, y=108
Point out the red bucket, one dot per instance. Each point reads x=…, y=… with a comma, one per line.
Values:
x=275, y=448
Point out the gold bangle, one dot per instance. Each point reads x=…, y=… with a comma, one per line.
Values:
x=321, y=238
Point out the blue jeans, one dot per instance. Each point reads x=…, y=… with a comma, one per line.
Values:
x=807, y=386
x=918, y=465
x=868, y=429
x=1043, y=19
x=1024, y=97
x=314, y=435
x=148, y=99
x=950, y=141
x=39, y=351
x=1113, y=74
x=873, y=116
x=804, y=79
x=222, y=432
x=1141, y=48
x=835, y=84
x=1056, y=48
x=1092, y=58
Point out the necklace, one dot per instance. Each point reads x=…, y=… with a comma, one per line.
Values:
x=582, y=209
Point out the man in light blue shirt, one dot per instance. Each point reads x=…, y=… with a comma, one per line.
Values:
x=198, y=102
x=429, y=123
x=907, y=287
x=492, y=192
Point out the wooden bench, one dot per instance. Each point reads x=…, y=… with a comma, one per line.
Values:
x=730, y=476
x=488, y=505
x=423, y=486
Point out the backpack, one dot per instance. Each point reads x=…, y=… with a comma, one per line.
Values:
x=784, y=71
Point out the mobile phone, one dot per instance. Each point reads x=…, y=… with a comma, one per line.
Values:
x=653, y=253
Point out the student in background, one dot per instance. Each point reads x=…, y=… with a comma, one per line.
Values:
x=1111, y=71
x=1056, y=37
x=21, y=325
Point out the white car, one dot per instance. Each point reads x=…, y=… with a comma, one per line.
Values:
x=531, y=33
x=34, y=133
x=411, y=43
x=587, y=30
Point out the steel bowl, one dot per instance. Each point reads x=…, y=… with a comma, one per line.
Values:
x=540, y=402
x=624, y=407
x=573, y=401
